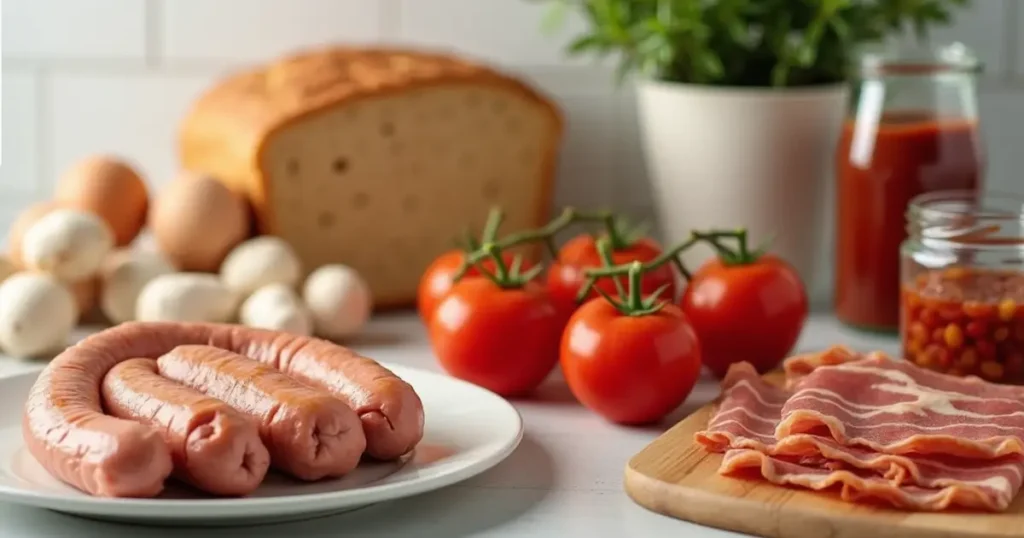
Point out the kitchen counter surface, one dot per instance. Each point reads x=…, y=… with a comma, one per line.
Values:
x=565, y=479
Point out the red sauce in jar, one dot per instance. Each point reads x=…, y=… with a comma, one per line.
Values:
x=966, y=322
x=878, y=174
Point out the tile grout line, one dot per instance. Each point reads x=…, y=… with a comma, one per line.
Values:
x=1012, y=38
x=154, y=35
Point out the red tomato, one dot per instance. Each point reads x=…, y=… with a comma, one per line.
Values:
x=437, y=279
x=565, y=276
x=505, y=340
x=751, y=312
x=629, y=369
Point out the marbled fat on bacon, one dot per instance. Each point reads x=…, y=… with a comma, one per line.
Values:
x=895, y=407
x=745, y=428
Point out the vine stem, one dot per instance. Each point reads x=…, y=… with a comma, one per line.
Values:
x=546, y=233
x=636, y=269
x=667, y=256
x=636, y=299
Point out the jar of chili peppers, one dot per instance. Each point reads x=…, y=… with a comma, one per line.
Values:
x=962, y=284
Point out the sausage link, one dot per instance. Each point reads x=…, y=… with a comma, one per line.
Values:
x=66, y=431
x=389, y=408
x=310, y=434
x=214, y=447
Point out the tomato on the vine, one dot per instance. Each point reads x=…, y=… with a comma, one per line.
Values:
x=630, y=368
x=437, y=279
x=566, y=274
x=751, y=309
x=504, y=339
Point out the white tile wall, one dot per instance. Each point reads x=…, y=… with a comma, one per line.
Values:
x=218, y=30
x=506, y=31
x=18, y=170
x=84, y=76
x=63, y=29
x=1015, y=42
x=586, y=174
x=1002, y=117
x=981, y=29
x=135, y=116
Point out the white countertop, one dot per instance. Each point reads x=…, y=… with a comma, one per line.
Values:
x=565, y=479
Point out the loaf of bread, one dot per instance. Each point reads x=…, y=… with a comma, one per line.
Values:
x=377, y=158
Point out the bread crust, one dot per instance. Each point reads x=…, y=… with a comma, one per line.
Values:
x=227, y=129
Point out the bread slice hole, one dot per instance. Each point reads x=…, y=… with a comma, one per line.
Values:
x=410, y=203
x=360, y=200
x=325, y=220
x=293, y=166
x=340, y=165
x=491, y=189
x=387, y=129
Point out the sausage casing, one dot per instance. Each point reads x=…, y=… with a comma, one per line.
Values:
x=66, y=431
x=214, y=447
x=309, y=433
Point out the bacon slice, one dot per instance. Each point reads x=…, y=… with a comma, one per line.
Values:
x=859, y=485
x=798, y=367
x=745, y=428
x=896, y=407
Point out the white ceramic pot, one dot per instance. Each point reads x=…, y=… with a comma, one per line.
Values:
x=752, y=157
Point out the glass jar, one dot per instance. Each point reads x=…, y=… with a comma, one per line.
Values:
x=962, y=275
x=912, y=129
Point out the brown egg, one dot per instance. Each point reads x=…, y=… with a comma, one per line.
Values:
x=109, y=188
x=196, y=221
x=27, y=218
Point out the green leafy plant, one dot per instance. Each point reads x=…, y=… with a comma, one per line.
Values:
x=776, y=43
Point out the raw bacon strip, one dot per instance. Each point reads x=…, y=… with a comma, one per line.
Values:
x=895, y=407
x=799, y=366
x=859, y=485
x=751, y=408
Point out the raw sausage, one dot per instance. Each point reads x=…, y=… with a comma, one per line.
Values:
x=65, y=430
x=214, y=447
x=310, y=434
x=391, y=411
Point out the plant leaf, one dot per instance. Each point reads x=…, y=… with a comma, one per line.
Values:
x=778, y=43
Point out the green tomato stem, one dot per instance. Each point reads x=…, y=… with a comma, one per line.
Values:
x=494, y=219
x=636, y=297
x=668, y=256
x=604, y=249
x=546, y=233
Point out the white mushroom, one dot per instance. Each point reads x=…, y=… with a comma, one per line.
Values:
x=67, y=243
x=276, y=307
x=339, y=300
x=186, y=297
x=122, y=277
x=37, y=314
x=260, y=261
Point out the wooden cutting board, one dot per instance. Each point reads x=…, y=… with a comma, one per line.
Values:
x=677, y=477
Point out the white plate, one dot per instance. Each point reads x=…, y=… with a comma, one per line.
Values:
x=468, y=430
